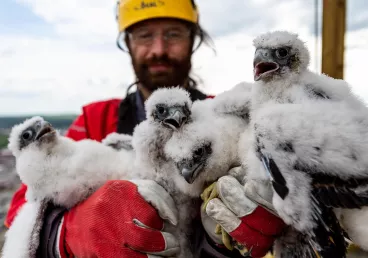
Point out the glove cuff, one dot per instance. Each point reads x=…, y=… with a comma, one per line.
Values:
x=265, y=221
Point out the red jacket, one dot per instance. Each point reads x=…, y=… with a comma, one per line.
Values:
x=97, y=120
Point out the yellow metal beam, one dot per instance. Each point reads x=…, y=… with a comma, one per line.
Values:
x=333, y=37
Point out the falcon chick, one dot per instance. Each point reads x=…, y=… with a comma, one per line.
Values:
x=317, y=162
x=200, y=153
x=204, y=151
x=282, y=95
x=60, y=169
x=168, y=109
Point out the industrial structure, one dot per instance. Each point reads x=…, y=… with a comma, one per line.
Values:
x=333, y=37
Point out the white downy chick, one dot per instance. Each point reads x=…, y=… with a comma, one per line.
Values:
x=60, y=169
x=119, y=141
x=201, y=152
x=235, y=102
x=168, y=109
x=315, y=154
x=282, y=76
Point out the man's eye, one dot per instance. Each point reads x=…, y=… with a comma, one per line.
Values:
x=144, y=35
x=174, y=34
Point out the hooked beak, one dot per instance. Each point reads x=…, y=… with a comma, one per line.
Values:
x=176, y=118
x=189, y=170
x=263, y=64
x=278, y=180
x=45, y=130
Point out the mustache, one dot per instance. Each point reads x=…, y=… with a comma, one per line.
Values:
x=164, y=59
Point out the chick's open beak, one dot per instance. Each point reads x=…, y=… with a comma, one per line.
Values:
x=45, y=129
x=263, y=64
x=176, y=118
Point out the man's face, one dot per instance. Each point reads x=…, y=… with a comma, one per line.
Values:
x=161, y=52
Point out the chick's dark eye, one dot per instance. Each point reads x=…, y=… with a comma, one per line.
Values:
x=199, y=152
x=282, y=52
x=161, y=110
x=27, y=135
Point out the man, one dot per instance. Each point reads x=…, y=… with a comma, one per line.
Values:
x=122, y=218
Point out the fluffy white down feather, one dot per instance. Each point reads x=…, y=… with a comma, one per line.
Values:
x=20, y=241
x=354, y=221
x=235, y=102
x=118, y=141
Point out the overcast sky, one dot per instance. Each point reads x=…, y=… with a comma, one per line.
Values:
x=66, y=48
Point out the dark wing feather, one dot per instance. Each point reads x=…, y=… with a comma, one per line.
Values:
x=316, y=93
x=121, y=144
x=294, y=244
x=329, y=192
x=328, y=238
x=278, y=180
x=336, y=192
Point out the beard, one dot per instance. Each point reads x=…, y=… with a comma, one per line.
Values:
x=176, y=75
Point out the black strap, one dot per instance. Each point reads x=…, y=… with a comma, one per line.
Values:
x=196, y=94
x=48, y=235
x=205, y=247
x=127, y=119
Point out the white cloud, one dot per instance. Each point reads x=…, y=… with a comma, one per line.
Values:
x=356, y=56
x=82, y=63
x=66, y=75
x=84, y=20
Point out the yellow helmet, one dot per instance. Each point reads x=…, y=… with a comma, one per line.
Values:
x=130, y=12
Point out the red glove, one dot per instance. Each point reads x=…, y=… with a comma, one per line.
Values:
x=117, y=221
x=248, y=223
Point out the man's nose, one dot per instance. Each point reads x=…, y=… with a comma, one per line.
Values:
x=158, y=46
